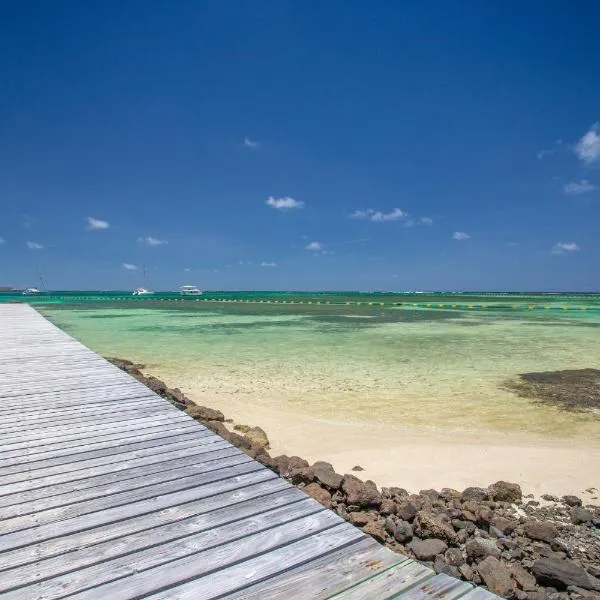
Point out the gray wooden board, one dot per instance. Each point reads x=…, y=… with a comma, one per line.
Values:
x=391, y=581
x=322, y=577
x=54, y=418
x=109, y=446
x=94, y=468
x=64, y=493
x=87, y=567
x=126, y=497
x=149, y=445
x=122, y=485
x=146, y=506
x=226, y=569
x=439, y=586
x=236, y=501
x=47, y=428
x=74, y=437
x=108, y=491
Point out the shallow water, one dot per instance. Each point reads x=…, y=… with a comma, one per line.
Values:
x=429, y=367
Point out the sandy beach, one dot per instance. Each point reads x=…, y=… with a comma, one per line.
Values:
x=419, y=459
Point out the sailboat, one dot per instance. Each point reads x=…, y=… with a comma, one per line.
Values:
x=33, y=291
x=142, y=291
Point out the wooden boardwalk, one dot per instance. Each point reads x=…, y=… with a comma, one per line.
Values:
x=109, y=492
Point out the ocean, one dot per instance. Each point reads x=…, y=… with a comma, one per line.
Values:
x=324, y=373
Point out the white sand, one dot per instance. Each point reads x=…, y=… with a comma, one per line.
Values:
x=424, y=459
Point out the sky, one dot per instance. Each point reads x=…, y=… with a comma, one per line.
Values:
x=300, y=145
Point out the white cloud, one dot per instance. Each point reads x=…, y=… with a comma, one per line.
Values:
x=460, y=235
x=151, y=241
x=427, y=221
x=562, y=247
x=376, y=215
x=96, y=223
x=576, y=188
x=284, y=203
x=550, y=151
x=34, y=246
x=250, y=144
x=2, y=241
x=314, y=246
x=129, y=266
x=588, y=147
x=268, y=264
x=187, y=270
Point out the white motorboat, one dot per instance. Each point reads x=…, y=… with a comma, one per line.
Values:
x=141, y=292
x=31, y=292
x=189, y=290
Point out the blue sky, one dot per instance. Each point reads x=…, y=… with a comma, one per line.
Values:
x=300, y=145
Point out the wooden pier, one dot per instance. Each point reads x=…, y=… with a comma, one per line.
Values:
x=109, y=492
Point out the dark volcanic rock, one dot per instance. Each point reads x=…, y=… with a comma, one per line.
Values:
x=286, y=464
x=479, y=548
x=203, y=413
x=427, y=549
x=430, y=526
x=572, y=500
x=524, y=579
x=475, y=493
x=258, y=436
x=581, y=515
x=360, y=493
x=325, y=473
x=504, y=525
x=360, y=518
x=496, y=576
x=319, y=494
x=540, y=530
x=401, y=531
x=454, y=557
x=388, y=507
x=407, y=510
x=375, y=530
x=503, y=491
x=562, y=573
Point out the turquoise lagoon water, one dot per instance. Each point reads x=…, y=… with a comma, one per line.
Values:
x=427, y=362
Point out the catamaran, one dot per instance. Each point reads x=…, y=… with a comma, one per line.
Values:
x=31, y=292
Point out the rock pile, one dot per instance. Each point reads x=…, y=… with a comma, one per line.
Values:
x=517, y=548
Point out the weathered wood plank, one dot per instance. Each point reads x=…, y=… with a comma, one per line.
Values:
x=17, y=449
x=69, y=466
x=62, y=492
x=87, y=567
x=145, y=506
x=148, y=572
x=391, y=581
x=220, y=572
x=439, y=586
x=121, y=485
x=127, y=497
x=109, y=446
x=274, y=490
x=55, y=418
x=323, y=577
x=46, y=429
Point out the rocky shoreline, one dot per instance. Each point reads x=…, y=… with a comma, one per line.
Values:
x=517, y=547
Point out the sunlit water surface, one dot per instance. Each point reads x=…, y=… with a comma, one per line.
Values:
x=423, y=368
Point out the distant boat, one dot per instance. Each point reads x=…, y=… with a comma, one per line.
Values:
x=31, y=292
x=189, y=290
x=141, y=292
